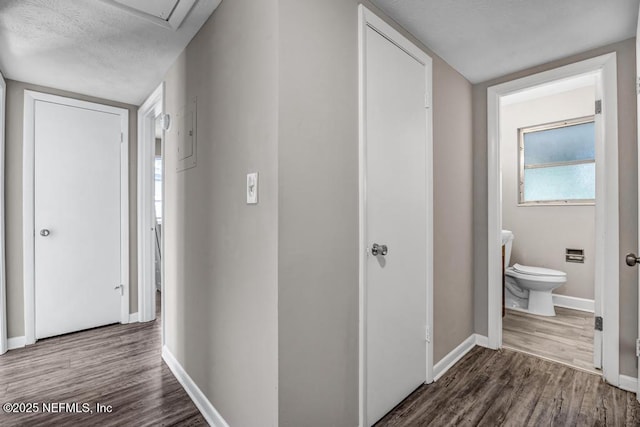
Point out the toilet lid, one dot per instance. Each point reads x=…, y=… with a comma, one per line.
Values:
x=538, y=271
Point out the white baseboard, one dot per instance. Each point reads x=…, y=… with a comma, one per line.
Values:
x=574, y=303
x=133, y=317
x=16, y=342
x=628, y=383
x=209, y=413
x=450, y=359
x=482, y=341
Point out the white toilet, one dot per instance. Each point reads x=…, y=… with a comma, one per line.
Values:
x=529, y=288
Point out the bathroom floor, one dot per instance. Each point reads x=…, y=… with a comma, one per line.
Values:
x=566, y=338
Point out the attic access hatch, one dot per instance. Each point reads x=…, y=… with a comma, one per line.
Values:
x=166, y=13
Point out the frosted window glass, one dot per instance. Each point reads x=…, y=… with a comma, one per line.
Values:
x=564, y=144
x=569, y=182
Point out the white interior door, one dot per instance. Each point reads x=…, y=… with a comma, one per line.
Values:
x=396, y=211
x=77, y=218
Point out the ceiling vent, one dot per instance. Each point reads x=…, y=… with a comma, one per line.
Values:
x=166, y=13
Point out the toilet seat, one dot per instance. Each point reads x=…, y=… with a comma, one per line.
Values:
x=536, y=274
x=538, y=271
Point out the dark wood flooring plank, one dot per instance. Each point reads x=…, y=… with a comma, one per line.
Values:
x=118, y=365
x=510, y=388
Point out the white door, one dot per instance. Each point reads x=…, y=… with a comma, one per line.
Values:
x=396, y=211
x=77, y=218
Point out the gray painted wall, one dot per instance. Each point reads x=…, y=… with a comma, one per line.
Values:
x=318, y=211
x=13, y=188
x=452, y=208
x=543, y=233
x=628, y=188
x=220, y=253
x=278, y=94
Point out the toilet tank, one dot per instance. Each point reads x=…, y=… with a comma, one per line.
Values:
x=507, y=241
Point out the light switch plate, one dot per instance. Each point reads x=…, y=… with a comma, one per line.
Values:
x=252, y=188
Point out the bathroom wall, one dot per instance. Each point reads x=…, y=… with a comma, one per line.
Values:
x=543, y=232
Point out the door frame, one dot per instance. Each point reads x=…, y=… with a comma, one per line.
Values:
x=151, y=109
x=366, y=18
x=4, y=345
x=607, y=228
x=637, y=75
x=28, y=208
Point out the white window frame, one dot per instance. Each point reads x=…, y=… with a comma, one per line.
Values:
x=521, y=166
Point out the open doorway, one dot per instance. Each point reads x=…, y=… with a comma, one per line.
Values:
x=152, y=123
x=548, y=165
x=158, y=191
x=605, y=163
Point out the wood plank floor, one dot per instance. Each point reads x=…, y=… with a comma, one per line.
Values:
x=510, y=388
x=118, y=365
x=566, y=338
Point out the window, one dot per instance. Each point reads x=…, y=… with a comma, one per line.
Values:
x=557, y=163
x=158, y=189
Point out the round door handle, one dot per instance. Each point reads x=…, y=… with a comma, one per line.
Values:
x=377, y=249
x=44, y=232
x=632, y=259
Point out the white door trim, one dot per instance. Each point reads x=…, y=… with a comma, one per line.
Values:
x=30, y=97
x=637, y=75
x=607, y=229
x=152, y=108
x=4, y=344
x=366, y=18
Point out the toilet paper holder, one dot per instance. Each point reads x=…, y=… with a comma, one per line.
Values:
x=574, y=255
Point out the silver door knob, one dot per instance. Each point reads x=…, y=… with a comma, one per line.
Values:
x=44, y=232
x=632, y=259
x=377, y=249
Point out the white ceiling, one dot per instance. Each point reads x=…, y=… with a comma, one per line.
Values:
x=158, y=8
x=485, y=39
x=98, y=49
x=93, y=47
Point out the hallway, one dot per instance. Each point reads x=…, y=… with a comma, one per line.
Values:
x=117, y=365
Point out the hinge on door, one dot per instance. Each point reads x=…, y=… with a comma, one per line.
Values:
x=427, y=333
x=427, y=103
x=121, y=137
x=121, y=287
x=638, y=348
x=598, y=106
x=598, y=325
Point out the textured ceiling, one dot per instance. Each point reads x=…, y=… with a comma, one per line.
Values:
x=158, y=8
x=485, y=39
x=91, y=47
